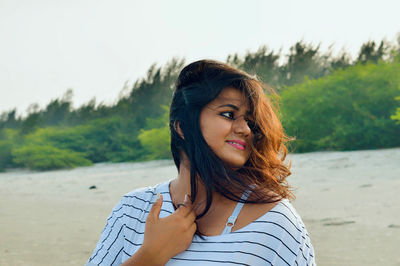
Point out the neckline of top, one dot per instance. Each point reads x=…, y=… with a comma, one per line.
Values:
x=244, y=228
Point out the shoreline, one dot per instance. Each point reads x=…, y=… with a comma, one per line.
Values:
x=154, y=162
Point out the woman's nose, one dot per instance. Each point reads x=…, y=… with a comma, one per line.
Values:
x=240, y=126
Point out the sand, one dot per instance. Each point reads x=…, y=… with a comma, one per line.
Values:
x=349, y=202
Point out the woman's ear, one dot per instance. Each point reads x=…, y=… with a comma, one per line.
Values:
x=177, y=126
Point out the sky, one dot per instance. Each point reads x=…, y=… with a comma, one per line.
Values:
x=95, y=47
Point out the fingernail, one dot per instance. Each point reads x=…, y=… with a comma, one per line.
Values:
x=158, y=196
x=187, y=198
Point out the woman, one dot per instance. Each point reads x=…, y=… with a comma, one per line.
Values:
x=229, y=204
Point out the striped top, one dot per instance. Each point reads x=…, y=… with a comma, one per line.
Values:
x=279, y=237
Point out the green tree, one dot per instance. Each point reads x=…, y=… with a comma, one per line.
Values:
x=149, y=93
x=370, y=52
x=263, y=63
x=32, y=121
x=303, y=61
x=57, y=111
x=349, y=109
x=9, y=119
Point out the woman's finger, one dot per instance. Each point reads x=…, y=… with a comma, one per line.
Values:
x=156, y=208
x=185, y=207
x=191, y=215
x=193, y=228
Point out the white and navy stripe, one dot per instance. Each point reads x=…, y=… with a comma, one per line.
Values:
x=278, y=237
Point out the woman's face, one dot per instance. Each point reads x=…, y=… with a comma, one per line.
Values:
x=223, y=123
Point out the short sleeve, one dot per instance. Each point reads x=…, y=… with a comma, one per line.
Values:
x=109, y=249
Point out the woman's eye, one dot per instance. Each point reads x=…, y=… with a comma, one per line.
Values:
x=227, y=115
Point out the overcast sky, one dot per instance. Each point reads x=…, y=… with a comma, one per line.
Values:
x=95, y=46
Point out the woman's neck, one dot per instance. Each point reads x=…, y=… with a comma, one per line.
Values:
x=181, y=186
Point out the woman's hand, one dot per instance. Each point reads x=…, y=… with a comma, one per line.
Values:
x=165, y=237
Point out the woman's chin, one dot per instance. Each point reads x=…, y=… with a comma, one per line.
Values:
x=235, y=165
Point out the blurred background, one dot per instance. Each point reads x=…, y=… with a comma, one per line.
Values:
x=85, y=88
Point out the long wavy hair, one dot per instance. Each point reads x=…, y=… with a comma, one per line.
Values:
x=200, y=83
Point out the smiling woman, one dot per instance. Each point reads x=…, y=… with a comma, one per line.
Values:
x=230, y=200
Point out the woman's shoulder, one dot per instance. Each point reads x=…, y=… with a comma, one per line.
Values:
x=138, y=202
x=281, y=222
x=285, y=217
x=146, y=193
x=284, y=222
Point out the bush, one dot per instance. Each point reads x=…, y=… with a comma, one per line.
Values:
x=7, y=140
x=397, y=115
x=108, y=139
x=157, y=141
x=5, y=154
x=47, y=157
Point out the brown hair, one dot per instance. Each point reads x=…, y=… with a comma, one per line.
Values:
x=266, y=166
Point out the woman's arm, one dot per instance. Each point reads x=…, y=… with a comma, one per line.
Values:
x=165, y=237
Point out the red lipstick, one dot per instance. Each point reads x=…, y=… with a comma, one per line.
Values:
x=239, y=144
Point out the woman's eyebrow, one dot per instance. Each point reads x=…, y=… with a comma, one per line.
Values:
x=229, y=105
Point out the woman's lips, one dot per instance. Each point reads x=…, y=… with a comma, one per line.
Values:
x=241, y=145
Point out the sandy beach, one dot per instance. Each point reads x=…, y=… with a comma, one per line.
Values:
x=349, y=202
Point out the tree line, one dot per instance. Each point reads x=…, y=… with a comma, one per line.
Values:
x=327, y=103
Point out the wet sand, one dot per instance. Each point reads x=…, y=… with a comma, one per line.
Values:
x=349, y=202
